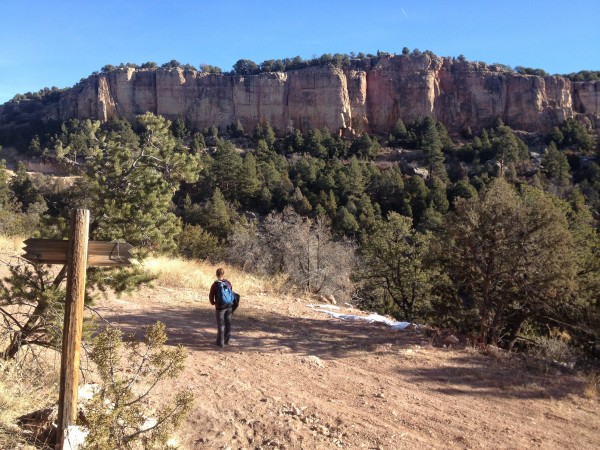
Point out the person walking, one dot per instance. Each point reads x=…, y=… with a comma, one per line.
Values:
x=221, y=296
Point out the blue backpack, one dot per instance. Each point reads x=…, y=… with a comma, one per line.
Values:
x=224, y=295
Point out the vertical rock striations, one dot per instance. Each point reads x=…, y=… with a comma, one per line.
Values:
x=368, y=97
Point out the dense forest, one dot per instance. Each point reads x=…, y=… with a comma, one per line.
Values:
x=493, y=234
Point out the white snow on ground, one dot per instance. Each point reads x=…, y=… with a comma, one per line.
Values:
x=74, y=437
x=371, y=318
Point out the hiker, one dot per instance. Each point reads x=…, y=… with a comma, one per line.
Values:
x=221, y=295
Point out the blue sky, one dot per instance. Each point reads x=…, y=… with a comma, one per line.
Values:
x=46, y=43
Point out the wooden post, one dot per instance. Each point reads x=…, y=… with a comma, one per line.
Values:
x=71, y=345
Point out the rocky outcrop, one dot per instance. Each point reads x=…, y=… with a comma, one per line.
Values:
x=369, y=97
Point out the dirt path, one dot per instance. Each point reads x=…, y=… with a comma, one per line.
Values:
x=295, y=378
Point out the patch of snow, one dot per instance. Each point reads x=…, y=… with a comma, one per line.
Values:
x=74, y=437
x=371, y=318
x=150, y=422
x=87, y=391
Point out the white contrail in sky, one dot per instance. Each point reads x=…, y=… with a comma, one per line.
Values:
x=403, y=12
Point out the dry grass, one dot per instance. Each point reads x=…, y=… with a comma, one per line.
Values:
x=11, y=245
x=25, y=387
x=592, y=386
x=199, y=275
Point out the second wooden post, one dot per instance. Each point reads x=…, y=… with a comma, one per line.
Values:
x=71, y=345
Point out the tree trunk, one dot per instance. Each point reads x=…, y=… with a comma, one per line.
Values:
x=19, y=336
x=514, y=333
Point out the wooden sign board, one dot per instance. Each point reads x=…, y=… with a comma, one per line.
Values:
x=54, y=251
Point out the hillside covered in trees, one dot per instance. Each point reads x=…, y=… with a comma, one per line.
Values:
x=493, y=232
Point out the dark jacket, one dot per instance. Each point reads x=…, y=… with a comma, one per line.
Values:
x=212, y=295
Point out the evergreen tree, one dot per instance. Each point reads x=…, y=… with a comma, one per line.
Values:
x=556, y=136
x=394, y=271
x=180, y=128
x=265, y=132
x=313, y=145
x=432, y=149
x=388, y=188
x=226, y=170
x=217, y=219
x=237, y=129
x=556, y=165
x=22, y=187
x=6, y=196
x=364, y=147
x=505, y=145
x=461, y=189
x=293, y=141
x=264, y=200
x=510, y=256
x=445, y=140
x=351, y=180
x=399, y=132
x=366, y=213
x=13, y=221
x=196, y=242
x=417, y=192
x=249, y=184
x=345, y=222
x=436, y=197
x=197, y=143
x=127, y=182
x=575, y=134
x=300, y=203
x=130, y=183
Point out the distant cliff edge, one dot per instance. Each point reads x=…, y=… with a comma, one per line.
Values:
x=456, y=92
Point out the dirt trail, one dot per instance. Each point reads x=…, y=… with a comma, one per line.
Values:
x=295, y=378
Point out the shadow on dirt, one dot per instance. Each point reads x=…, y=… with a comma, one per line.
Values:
x=484, y=376
x=257, y=330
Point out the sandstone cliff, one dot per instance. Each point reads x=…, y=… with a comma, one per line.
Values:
x=370, y=97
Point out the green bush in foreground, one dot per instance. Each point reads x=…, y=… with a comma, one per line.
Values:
x=117, y=416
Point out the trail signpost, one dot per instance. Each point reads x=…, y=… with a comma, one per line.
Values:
x=99, y=253
x=77, y=253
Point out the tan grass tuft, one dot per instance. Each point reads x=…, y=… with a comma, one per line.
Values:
x=199, y=275
x=592, y=386
x=11, y=245
x=24, y=387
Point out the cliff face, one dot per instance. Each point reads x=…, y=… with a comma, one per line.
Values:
x=458, y=93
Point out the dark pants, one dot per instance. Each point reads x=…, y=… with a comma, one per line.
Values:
x=223, y=326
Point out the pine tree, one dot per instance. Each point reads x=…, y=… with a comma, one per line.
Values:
x=226, y=170
x=127, y=181
x=388, y=188
x=556, y=165
x=313, y=145
x=510, y=255
x=130, y=183
x=351, y=179
x=436, y=197
x=249, y=184
x=22, y=187
x=432, y=149
x=399, y=131
x=418, y=192
x=393, y=267
x=217, y=218
x=345, y=222
x=6, y=197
